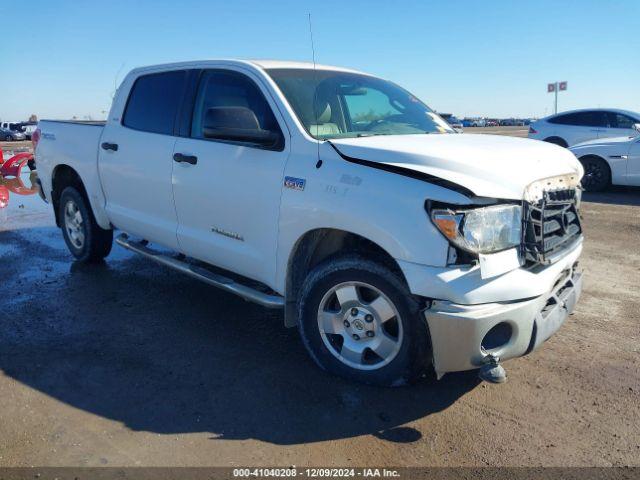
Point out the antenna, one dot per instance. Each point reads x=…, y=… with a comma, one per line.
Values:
x=313, y=100
x=115, y=80
x=313, y=49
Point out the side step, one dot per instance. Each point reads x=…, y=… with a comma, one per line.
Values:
x=227, y=284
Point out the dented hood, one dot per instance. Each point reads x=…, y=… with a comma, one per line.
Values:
x=488, y=165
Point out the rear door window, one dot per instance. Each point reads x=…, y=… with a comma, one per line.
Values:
x=154, y=102
x=563, y=119
x=582, y=119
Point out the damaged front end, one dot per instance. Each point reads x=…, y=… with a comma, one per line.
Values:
x=480, y=335
x=551, y=225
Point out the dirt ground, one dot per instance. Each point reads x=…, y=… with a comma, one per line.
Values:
x=8, y=146
x=128, y=363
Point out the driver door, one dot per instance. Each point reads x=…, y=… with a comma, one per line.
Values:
x=227, y=193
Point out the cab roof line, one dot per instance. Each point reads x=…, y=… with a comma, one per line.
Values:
x=406, y=172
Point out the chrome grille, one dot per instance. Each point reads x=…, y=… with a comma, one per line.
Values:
x=550, y=225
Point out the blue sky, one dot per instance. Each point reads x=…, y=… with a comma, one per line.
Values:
x=466, y=57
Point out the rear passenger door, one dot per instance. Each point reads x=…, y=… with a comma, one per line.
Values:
x=135, y=159
x=227, y=193
x=585, y=126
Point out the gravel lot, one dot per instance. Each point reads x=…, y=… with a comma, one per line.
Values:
x=128, y=363
x=7, y=146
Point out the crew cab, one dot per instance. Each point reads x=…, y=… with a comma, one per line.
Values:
x=392, y=244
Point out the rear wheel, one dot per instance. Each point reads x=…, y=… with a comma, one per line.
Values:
x=358, y=320
x=86, y=240
x=597, y=175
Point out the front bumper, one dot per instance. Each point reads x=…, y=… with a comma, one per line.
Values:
x=459, y=332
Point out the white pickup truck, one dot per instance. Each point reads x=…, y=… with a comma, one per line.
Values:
x=391, y=242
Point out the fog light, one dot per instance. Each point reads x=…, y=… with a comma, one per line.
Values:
x=498, y=336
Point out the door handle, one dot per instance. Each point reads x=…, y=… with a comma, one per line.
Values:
x=180, y=157
x=109, y=146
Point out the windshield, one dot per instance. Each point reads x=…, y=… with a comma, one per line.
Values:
x=333, y=104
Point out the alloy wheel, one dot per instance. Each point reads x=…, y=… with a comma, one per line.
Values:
x=360, y=325
x=74, y=224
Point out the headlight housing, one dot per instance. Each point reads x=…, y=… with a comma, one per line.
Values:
x=480, y=230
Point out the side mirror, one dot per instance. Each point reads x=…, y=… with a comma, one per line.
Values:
x=636, y=126
x=237, y=124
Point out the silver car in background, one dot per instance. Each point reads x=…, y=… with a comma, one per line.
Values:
x=11, y=135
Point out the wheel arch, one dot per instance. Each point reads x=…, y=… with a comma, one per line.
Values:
x=319, y=244
x=556, y=140
x=63, y=176
x=593, y=155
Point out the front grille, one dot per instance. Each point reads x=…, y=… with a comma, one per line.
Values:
x=550, y=225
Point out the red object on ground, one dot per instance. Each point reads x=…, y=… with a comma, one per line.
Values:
x=17, y=186
x=4, y=196
x=13, y=166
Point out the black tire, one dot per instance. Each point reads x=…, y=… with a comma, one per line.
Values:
x=97, y=242
x=597, y=174
x=557, y=141
x=413, y=356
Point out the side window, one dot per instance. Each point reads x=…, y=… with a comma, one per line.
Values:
x=154, y=101
x=232, y=94
x=582, y=119
x=618, y=120
x=598, y=119
x=561, y=119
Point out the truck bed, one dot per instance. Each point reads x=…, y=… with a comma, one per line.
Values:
x=74, y=144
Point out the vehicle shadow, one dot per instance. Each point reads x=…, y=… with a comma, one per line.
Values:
x=615, y=195
x=140, y=344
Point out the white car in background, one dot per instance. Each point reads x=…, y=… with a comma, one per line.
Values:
x=29, y=129
x=610, y=161
x=570, y=128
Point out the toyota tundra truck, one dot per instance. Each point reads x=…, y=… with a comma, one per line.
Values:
x=394, y=244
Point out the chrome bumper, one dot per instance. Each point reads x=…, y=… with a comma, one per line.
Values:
x=458, y=331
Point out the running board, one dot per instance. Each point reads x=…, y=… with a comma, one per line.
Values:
x=224, y=283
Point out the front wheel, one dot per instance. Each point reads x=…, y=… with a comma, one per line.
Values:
x=597, y=175
x=358, y=320
x=86, y=240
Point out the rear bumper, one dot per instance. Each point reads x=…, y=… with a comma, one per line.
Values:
x=459, y=332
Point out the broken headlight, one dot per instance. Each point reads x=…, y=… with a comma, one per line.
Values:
x=480, y=230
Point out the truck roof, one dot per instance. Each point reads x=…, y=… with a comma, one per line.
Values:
x=262, y=64
x=266, y=64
